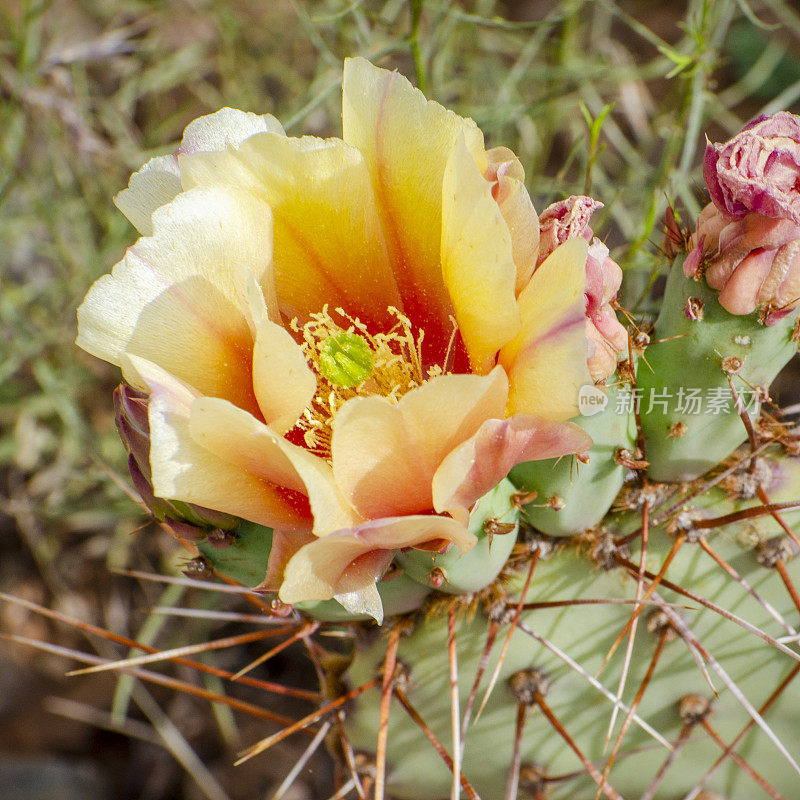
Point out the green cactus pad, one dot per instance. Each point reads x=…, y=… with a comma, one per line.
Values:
x=472, y=571
x=585, y=634
x=586, y=490
x=680, y=445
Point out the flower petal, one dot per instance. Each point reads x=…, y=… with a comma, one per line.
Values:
x=226, y=128
x=406, y=141
x=477, y=261
x=283, y=383
x=159, y=180
x=241, y=440
x=324, y=253
x=546, y=361
x=352, y=560
x=183, y=468
x=385, y=455
x=178, y=297
x=479, y=464
x=508, y=177
x=154, y=185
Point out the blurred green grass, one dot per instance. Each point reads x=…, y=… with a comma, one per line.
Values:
x=90, y=89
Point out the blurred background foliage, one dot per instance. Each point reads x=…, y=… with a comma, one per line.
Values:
x=609, y=97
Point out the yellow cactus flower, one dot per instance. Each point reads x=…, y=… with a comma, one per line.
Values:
x=344, y=340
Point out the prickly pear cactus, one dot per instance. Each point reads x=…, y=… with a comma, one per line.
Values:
x=557, y=554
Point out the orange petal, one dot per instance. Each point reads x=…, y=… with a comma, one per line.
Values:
x=184, y=468
x=477, y=261
x=243, y=441
x=352, y=560
x=546, y=361
x=385, y=455
x=406, y=142
x=328, y=242
x=479, y=464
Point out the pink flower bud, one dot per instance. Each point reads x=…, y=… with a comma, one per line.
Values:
x=566, y=219
x=753, y=260
x=758, y=170
x=569, y=219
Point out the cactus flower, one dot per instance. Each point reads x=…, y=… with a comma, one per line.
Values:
x=569, y=219
x=344, y=339
x=747, y=242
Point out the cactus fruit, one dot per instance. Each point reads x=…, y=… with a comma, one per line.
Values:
x=375, y=426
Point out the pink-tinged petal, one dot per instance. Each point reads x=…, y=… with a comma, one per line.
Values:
x=157, y=183
x=739, y=238
x=479, y=464
x=546, y=361
x=243, y=441
x=283, y=383
x=563, y=220
x=757, y=170
x=284, y=545
x=603, y=353
x=782, y=287
x=184, y=468
x=352, y=560
x=406, y=142
x=477, y=261
x=385, y=455
x=178, y=298
x=328, y=246
x=740, y=293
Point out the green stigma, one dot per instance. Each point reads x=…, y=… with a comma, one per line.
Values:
x=345, y=359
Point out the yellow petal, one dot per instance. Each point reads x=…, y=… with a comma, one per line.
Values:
x=283, y=382
x=154, y=185
x=477, y=262
x=546, y=361
x=385, y=455
x=178, y=298
x=226, y=128
x=406, y=142
x=508, y=177
x=184, y=469
x=159, y=180
x=329, y=246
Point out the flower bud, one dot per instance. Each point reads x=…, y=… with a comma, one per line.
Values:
x=189, y=521
x=569, y=219
x=753, y=260
x=757, y=170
